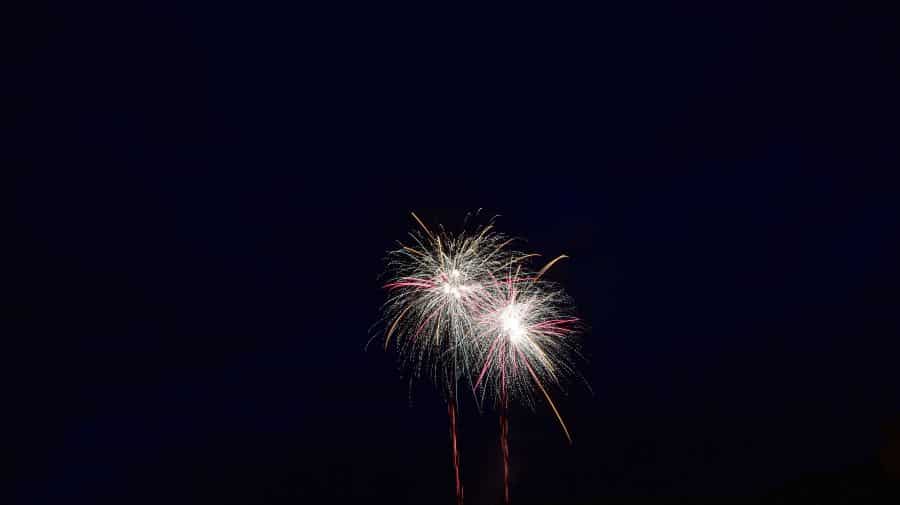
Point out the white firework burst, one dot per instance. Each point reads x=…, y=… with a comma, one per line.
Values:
x=439, y=284
x=525, y=339
x=465, y=306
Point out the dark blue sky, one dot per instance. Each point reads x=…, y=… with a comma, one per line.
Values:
x=206, y=193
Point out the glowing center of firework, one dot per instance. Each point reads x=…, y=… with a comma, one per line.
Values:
x=452, y=290
x=511, y=322
x=453, y=286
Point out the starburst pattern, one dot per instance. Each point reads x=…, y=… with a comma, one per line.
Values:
x=525, y=340
x=440, y=282
x=466, y=307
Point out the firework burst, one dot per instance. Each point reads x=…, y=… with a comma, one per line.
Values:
x=465, y=307
x=440, y=283
x=525, y=340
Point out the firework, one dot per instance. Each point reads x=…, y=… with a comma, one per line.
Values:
x=465, y=307
x=440, y=283
x=525, y=340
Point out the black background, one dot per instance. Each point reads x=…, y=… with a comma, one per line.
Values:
x=203, y=195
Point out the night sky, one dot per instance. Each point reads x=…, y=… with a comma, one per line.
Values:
x=202, y=197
